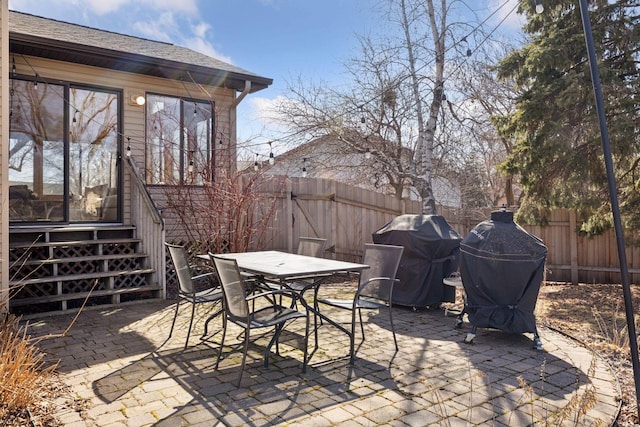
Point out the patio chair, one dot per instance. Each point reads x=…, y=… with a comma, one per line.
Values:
x=237, y=310
x=375, y=288
x=188, y=278
x=311, y=246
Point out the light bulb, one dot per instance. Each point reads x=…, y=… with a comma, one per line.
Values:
x=255, y=166
x=304, y=172
x=138, y=100
x=272, y=159
x=190, y=166
x=539, y=6
x=367, y=153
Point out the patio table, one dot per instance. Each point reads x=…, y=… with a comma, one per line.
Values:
x=283, y=267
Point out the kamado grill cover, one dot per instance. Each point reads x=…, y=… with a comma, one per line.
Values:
x=502, y=266
x=431, y=249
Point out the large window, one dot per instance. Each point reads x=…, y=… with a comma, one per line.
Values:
x=179, y=141
x=62, y=155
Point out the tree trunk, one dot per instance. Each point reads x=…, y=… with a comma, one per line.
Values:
x=426, y=134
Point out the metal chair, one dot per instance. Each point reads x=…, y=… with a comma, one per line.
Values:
x=375, y=288
x=187, y=279
x=311, y=246
x=238, y=311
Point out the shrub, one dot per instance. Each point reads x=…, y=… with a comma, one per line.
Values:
x=24, y=376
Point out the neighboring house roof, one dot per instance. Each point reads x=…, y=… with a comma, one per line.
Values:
x=48, y=38
x=320, y=160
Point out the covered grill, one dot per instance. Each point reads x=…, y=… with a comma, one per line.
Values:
x=502, y=266
x=431, y=249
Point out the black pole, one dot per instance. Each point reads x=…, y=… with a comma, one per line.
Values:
x=613, y=194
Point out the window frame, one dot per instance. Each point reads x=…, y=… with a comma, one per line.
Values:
x=202, y=175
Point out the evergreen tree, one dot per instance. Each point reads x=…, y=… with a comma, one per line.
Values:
x=558, y=153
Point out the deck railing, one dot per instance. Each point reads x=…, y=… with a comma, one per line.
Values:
x=149, y=223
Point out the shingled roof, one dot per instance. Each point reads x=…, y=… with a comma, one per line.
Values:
x=49, y=38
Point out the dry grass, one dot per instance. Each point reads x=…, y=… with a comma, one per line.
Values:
x=595, y=315
x=25, y=380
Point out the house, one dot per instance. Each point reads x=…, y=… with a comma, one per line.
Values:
x=94, y=125
x=328, y=157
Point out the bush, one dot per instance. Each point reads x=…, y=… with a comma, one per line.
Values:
x=24, y=376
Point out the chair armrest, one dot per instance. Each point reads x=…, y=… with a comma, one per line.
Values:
x=375, y=279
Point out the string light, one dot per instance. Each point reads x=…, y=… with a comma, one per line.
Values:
x=539, y=6
x=190, y=169
x=304, y=167
x=272, y=159
x=255, y=164
x=128, y=146
x=367, y=153
x=13, y=66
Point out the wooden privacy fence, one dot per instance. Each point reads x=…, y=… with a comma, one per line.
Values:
x=347, y=216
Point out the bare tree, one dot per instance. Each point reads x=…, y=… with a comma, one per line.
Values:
x=393, y=108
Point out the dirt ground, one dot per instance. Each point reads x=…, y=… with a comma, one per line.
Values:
x=595, y=315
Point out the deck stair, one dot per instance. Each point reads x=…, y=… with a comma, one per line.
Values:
x=54, y=269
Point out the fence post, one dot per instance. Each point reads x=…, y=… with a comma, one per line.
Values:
x=573, y=246
x=288, y=212
x=334, y=218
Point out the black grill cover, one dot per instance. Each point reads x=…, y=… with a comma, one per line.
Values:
x=431, y=249
x=502, y=266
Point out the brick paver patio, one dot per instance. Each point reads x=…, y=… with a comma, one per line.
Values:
x=119, y=360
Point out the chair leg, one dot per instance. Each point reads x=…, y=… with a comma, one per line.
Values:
x=206, y=324
x=274, y=339
x=244, y=354
x=361, y=324
x=306, y=345
x=175, y=316
x=352, y=337
x=393, y=329
x=193, y=313
x=224, y=334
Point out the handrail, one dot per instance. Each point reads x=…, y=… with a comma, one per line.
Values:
x=150, y=226
x=142, y=188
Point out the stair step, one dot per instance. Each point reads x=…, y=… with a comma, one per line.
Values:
x=84, y=242
x=82, y=295
x=88, y=258
x=82, y=276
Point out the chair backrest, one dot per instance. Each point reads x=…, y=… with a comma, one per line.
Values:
x=383, y=261
x=311, y=246
x=183, y=270
x=233, y=287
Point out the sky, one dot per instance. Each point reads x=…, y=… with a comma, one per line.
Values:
x=279, y=39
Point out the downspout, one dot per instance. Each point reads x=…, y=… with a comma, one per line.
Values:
x=232, y=124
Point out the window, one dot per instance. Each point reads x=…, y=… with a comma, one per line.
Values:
x=179, y=147
x=63, y=152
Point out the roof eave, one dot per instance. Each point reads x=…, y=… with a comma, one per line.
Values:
x=133, y=63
